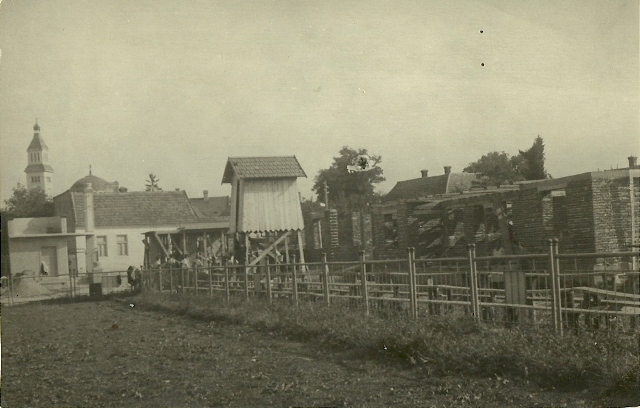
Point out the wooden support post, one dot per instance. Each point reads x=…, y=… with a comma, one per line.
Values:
x=184, y=244
x=246, y=263
x=268, y=281
x=294, y=278
x=182, y=274
x=301, y=248
x=160, y=278
x=226, y=280
x=205, y=251
x=169, y=245
x=474, y=275
x=286, y=249
x=210, y=281
x=171, y=281
x=413, y=295
x=325, y=280
x=195, y=280
x=556, y=279
x=363, y=282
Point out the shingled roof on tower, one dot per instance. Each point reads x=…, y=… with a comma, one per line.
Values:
x=262, y=167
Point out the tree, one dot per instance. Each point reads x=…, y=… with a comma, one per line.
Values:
x=499, y=168
x=349, y=191
x=533, y=161
x=28, y=203
x=496, y=168
x=152, y=183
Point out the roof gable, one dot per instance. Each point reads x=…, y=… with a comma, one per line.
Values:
x=262, y=167
x=210, y=208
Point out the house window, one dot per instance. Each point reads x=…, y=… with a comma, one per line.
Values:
x=101, y=243
x=390, y=230
x=123, y=247
x=49, y=179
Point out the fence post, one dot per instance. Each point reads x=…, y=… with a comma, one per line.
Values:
x=363, y=282
x=294, y=278
x=182, y=278
x=473, y=283
x=227, y=292
x=413, y=292
x=246, y=282
x=552, y=273
x=556, y=280
x=268, y=282
x=325, y=279
x=195, y=279
x=210, y=281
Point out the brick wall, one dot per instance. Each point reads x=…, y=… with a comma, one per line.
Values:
x=527, y=216
x=612, y=214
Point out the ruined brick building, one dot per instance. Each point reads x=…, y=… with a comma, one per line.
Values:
x=440, y=215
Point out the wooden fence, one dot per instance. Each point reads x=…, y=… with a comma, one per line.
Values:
x=563, y=291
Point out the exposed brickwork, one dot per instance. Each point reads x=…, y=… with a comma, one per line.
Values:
x=612, y=214
x=579, y=212
x=527, y=220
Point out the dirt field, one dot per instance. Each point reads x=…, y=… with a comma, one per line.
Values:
x=111, y=354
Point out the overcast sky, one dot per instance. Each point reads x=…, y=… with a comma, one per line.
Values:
x=176, y=87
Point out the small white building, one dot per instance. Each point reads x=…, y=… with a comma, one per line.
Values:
x=34, y=241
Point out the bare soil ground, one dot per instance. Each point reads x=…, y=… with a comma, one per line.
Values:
x=109, y=354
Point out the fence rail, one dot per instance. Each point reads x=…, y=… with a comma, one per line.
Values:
x=562, y=291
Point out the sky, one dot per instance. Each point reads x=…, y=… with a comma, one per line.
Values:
x=174, y=88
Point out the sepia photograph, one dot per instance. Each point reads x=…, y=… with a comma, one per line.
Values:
x=261, y=203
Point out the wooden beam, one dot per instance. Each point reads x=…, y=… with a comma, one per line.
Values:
x=176, y=247
x=268, y=249
x=166, y=252
x=286, y=249
x=301, y=249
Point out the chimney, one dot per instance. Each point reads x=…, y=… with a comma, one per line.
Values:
x=424, y=173
x=447, y=169
x=177, y=189
x=205, y=194
x=89, y=217
x=633, y=162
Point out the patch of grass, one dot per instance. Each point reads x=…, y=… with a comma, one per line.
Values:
x=440, y=346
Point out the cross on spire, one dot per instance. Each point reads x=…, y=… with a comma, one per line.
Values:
x=89, y=169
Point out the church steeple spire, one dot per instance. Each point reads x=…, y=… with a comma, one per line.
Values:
x=39, y=171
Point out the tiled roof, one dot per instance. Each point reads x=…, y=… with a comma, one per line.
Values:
x=211, y=208
x=428, y=186
x=38, y=167
x=140, y=208
x=37, y=143
x=262, y=167
x=420, y=187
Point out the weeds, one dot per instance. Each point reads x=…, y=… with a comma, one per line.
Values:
x=440, y=346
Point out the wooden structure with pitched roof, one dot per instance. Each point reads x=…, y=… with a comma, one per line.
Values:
x=265, y=207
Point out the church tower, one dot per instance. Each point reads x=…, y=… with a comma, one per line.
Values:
x=39, y=171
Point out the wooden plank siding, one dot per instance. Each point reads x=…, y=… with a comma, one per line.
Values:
x=268, y=205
